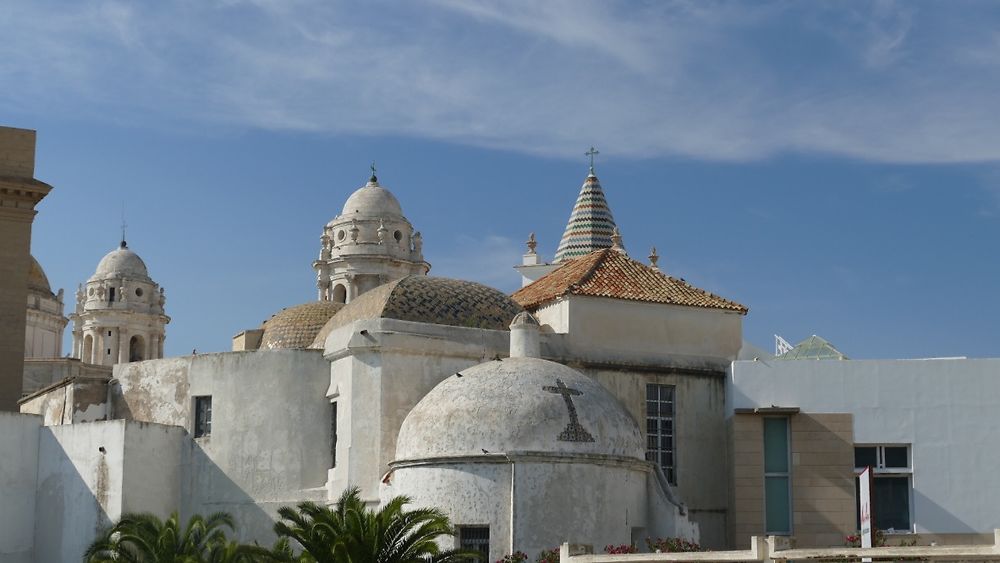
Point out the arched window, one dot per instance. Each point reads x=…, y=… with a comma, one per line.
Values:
x=136, y=349
x=339, y=294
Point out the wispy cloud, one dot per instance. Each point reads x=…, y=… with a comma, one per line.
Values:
x=882, y=81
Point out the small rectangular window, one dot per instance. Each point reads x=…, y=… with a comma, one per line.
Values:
x=865, y=457
x=475, y=538
x=202, y=416
x=333, y=433
x=777, y=477
x=660, y=439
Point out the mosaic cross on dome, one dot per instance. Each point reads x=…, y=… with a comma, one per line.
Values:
x=574, y=432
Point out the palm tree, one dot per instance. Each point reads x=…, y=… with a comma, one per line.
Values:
x=352, y=533
x=144, y=538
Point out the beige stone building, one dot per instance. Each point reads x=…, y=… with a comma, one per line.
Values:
x=20, y=192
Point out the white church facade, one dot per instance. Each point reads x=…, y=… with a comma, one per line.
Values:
x=603, y=402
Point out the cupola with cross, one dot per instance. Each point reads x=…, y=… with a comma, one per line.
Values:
x=119, y=315
x=370, y=243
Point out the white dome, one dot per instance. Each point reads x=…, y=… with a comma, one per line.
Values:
x=372, y=200
x=121, y=262
x=518, y=405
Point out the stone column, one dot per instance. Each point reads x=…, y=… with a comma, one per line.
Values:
x=113, y=345
x=154, y=347
x=20, y=192
x=159, y=346
x=123, y=347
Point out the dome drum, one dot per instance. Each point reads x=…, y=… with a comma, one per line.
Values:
x=370, y=239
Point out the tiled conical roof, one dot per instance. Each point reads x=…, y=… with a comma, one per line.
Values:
x=590, y=225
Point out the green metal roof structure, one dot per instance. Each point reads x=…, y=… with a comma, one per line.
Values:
x=813, y=348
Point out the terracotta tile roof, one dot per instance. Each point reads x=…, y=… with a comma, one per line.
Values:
x=609, y=273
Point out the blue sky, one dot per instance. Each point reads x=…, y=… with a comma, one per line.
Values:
x=834, y=166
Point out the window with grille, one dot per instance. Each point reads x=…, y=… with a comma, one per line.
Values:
x=475, y=538
x=660, y=446
x=202, y=416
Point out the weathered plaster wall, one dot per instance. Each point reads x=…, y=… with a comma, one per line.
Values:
x=616, y=330
x=41, y=373
x=943, y=408
x=18, y=480
x=380, y=376
x=555, y=501
x=73, y=400
x=152, y=470
x=699, y=437
x=79, y=487
x=271, y=431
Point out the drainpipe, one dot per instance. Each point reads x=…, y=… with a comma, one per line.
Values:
x=510, y=548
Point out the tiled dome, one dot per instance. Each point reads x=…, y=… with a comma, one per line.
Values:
x=296, y=327
x=37, y=280
x=432, y=300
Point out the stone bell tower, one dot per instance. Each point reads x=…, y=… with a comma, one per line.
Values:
x=370, y=243
x=119, y=315
x=20, y=192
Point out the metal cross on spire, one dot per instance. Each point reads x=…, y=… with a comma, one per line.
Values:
x=592, y=153
x=373, y=178
x=124, y=225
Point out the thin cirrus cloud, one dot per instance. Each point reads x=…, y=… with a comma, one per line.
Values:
x=881, y=81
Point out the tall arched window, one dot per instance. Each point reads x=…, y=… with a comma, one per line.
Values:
x=136, y=349
x=339, y=294
x=88, y=349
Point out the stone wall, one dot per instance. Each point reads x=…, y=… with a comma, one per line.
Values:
x=19, y=193
x=822, y=478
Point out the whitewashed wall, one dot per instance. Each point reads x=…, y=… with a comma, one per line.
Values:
x=18, y=479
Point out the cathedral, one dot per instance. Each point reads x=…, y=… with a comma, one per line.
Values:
x=503, y=410
x=604, y=402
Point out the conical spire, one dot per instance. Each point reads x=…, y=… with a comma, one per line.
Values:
x=590, y=225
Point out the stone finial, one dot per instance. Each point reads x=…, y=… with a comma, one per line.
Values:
x=354, y=230
x=654, y=258
x=418, y=242
x=381, y=231
x=324, y=247
x=532, y=243
x=616, y=241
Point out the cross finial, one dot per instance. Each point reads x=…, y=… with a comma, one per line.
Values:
x=592, y=153
x=124, y=225
x=373, y=178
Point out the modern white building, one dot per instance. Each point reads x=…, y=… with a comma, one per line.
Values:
x=924, y=426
